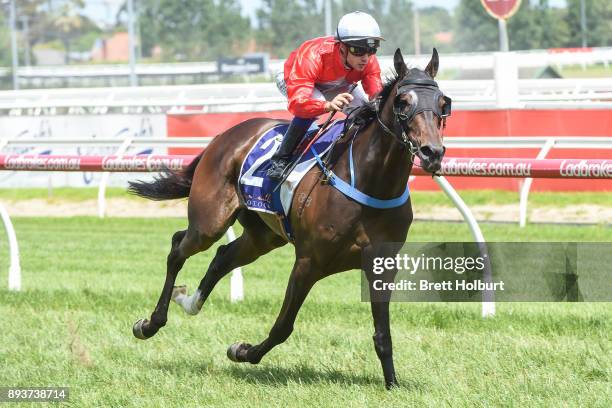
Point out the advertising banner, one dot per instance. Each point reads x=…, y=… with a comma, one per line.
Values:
x=87, y=127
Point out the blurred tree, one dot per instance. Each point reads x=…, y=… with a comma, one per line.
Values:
x=435, y=21
x=33, y=15
x=38, y=13
x=397, y=26
x=554, y=31
x=598, y=22
x=193, y=29
x=5, y=38
x=536, y=25
x=524, y=28
x=231, y=32
x=475, y=29
x=285, y=24
x=67, y=23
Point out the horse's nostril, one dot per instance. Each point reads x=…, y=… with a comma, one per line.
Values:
x=432, y=152
x=426, y=151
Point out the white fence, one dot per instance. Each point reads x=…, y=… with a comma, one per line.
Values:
x=506, y=90
x=466, y=94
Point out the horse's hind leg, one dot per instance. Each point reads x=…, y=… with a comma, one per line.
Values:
x=207, y=223
x=302, y=279
x=256, y=240
x=183, y=246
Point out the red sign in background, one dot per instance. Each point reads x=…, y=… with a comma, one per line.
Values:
x=501, y=8
x=505, y=122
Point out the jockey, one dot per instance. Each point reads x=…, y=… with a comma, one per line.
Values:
x=318, y=75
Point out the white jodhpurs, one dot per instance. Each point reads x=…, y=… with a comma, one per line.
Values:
x=328, y=91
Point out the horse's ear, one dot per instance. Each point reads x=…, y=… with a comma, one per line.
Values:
x=399, y=64
x=432, y=67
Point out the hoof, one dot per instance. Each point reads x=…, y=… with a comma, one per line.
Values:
x=237, y=352
x=137, y=329
x=392, y=385
x=179, y=290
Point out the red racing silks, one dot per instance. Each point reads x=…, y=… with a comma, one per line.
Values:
x=318, y=63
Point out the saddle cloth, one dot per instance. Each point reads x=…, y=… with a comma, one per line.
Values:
x=256, y=188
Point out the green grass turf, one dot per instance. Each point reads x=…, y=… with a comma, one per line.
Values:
x=62, y=193
x=471, y=197
x=591, y=71
x=85, y=281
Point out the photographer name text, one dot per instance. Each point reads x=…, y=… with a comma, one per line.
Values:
x=424, y=285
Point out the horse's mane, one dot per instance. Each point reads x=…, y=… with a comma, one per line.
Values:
x=367, y=112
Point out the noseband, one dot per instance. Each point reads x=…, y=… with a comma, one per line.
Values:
x=425, y=96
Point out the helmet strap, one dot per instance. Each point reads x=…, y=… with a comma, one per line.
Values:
x=345, y=55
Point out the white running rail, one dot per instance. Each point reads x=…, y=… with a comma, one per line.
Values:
x=252, y=96
x=544, y=143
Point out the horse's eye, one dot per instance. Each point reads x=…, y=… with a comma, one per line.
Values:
x=402, y=104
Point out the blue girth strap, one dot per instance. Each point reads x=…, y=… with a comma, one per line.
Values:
x=350, y=191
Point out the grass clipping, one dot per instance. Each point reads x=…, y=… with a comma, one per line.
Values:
x=77, y=348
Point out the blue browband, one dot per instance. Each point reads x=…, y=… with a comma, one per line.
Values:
x=350, y=191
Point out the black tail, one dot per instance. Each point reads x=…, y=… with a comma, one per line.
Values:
x=167, y=186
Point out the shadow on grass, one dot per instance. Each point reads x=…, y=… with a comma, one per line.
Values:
x=274, y=375
x=277, y=376
x=270, y=375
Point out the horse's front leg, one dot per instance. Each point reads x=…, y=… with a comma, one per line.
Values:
x=302, y=279
x=382, y=341
x=379, y=301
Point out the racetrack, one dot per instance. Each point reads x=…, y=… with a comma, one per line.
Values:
x=87, y=280
x=486, y=205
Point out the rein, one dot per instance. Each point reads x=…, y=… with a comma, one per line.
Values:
x=430, y=93
x=350, y=190
x=404, y=140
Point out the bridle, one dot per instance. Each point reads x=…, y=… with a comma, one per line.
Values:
x=427, y=94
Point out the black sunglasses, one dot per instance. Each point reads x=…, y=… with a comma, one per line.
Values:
x=361, y=51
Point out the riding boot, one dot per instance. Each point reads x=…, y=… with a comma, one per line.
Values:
x=294, y=134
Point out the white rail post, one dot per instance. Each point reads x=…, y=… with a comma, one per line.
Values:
x=488, y=298
x=14, y=275
x=236, y=282
x=105, y=176
x=506, y=80
x=527, y=184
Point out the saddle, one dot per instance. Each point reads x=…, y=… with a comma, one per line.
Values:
x=258, y=191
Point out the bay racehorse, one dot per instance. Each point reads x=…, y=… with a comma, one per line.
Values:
x=331, y=231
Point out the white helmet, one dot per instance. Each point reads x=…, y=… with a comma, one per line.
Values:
x=357, y=27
